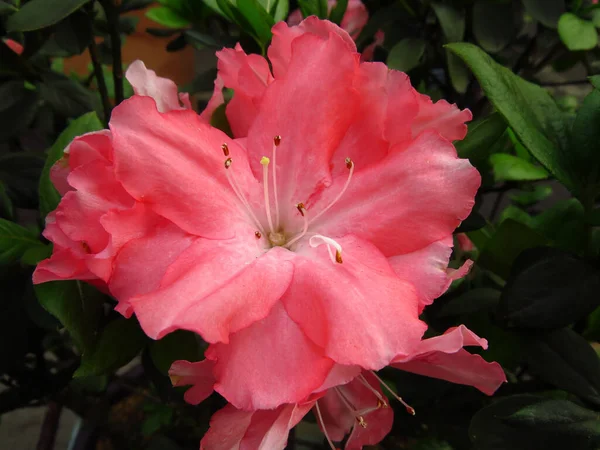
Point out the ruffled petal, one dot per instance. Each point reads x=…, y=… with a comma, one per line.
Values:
x=311, y=111
x=215, y=288
x=215, y=101
x=444, y=357
x=407, y=201
x=355, y=18
x=443, y=117
x=359, y=311
x=162, y=90
x=280, y=51
x=291, y=369
x=173, y=162
x=196, y=374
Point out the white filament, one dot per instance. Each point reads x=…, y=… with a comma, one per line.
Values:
x=239, y=195
x=335, y=200
x=301, y=235
x=322, y=423
x=319, y=239
x=265, y=163
x=275, y=185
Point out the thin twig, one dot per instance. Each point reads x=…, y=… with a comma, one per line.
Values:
x=524, y=57
x=565, y=83
x=112, y=16
x=49, y=427
x=100, y=81
x=496, y=206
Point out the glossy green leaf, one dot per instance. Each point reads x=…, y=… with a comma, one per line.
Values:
x=313, y=8
x=406, y=54
x=493, y=24
x=178, y=345
x=474, y=300
x=481, y=136
x=167, y=17
x=511, y=168
x=526, y=198
x=15, y=240
x=66, y=96
x=259, y=19
x=338, y=11
x=76, y=305
x=118, y=343
x=577, y=33
x=547, y=12
x=49, y=196
x=281, y=10
x=527, y=108
x=37, y=14
x=451, y=19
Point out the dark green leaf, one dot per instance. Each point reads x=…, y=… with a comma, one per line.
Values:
x=577, y=33
x=471, y=301
x=281, y=10
x=77, y=306
x=132, y=5
x=119, y=342
x=338, y=11
x=451, y=19
x=526, y=198
x=595, y=81
x=548, y=289
x=563, y=224
x=493, y=25
x=18, y=107
x=20, y=173
x=259, y=19
x=566, y=360
x=49, y=196
x=219, y=120
x=37, y=14
x=460, y=75
x=6, y=8
x=482, y=134
x=511, y=168
x=312, y=8
x=506, y=245
x=65, y=95
x=7, y=211
x=473, y=222
x=74, y=33
x=178, y=345
x=15, y=240
x=585, y=147
x=547, y=12
x=527, y=422
x=528, y=109
x=167, y=17
x=406, y=54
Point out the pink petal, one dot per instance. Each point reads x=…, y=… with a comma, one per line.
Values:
x=310, y=126
x=407, y=201
x=465, y=244
x=215, y=288
x=368, y=52
x=339, y=374
x=279, y=364
x=227, y=429
x=162, y=90
x=355, y=17
x=359, y=311
x=280, y=51
x=14, y=46
x=62, y=265
x=197, y=374
x=215, y=101
x=442, y=117
x=461, y=272
x=173, y=162
x=444, y=357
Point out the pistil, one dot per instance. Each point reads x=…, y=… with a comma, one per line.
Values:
x=276, y=142
x=265, y=163
x=350, y=167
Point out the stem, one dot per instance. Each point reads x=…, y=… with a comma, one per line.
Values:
x=49, y=427
x=546, y=59
x=112, y=16
x=524, y=57
x=496, y=206
x=99, y=74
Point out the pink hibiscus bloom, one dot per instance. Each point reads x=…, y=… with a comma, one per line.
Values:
x=304, y=249
x=358, y=408
x=354, y=20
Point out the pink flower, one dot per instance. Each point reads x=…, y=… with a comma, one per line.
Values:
x=14, y=46
x=354, y=20
x=304, y=249
x=358, y=408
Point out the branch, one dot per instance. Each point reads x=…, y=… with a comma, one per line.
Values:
x=49, y=427
x=112, y=16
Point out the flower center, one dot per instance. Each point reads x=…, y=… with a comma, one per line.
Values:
x=275, y=236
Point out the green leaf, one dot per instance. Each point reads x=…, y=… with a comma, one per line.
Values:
x=6, y=207
x=178, y=345
x=451, y=19
x=313, y=8
x=281, y=10
x=511, y=168
x=526, y=198
x=74, y=33
x=15, y=240
x=577, y=33
x=259, y=19
x=481, y=136
x=119, y=342
x=6, y=8
x=493, y=25
x=547, y=12
x=563, y=224
x=474, y=300
x=406, y=54
x=527, y=108
x=566, y=360
x=507, y=243
x=527, y=422
x=67, y=96
x=77, y=306
x=460, y=76
x=474, y=221
x=37, y=14
x=585, y=147
x=167, y=17
x=548, y=289
x=49, y=196
x=219, y=120
x=20, y=173
x=338, y=11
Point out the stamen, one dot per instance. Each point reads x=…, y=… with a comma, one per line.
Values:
x=265, y=163
x=359, y=418
x=381, y=398
x=322, y=423
x=238, y=192
x=337, y=258
x=302, y=210
x=350, y=167
x=276, y=142
x=257, y=234
x=225, y=149
x=409, y=408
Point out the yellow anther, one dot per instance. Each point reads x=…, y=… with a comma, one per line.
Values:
x=265, y=161
x=228, y=163
x=349, y=163
x=338, y=257
x=301, y=208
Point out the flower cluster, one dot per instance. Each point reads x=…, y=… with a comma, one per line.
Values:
x=302, y=249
